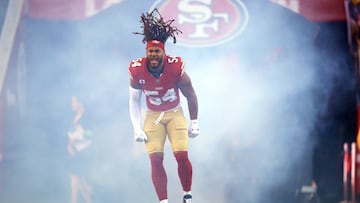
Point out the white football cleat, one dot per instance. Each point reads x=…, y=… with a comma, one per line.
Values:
x=187, y=199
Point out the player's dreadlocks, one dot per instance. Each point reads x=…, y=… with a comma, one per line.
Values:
x=155, y=28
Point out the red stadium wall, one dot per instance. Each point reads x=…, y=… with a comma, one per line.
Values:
x=322, y=10
x=67, y=9
x=314, y=10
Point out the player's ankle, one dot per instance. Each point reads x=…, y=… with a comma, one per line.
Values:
x=164, y=201
x=187, y=192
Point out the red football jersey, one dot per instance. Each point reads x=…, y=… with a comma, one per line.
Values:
x=161, y=93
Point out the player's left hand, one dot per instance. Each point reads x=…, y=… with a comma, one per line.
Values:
x=194, y=128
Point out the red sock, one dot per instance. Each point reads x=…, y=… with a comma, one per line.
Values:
x=158, y=175
x=184, y=169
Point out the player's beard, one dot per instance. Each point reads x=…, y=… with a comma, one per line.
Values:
x=156, y=63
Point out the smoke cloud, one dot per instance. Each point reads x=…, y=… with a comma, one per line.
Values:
x=258, y=104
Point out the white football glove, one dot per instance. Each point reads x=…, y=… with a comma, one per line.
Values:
x=140, y=135
x=194, y=128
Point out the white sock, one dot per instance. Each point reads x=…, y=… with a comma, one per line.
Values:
x=164, y=201
x=187, y=193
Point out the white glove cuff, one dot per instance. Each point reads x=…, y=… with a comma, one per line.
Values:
x=194, y=123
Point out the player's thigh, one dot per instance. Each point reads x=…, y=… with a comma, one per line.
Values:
x=178, y=132
x=156, y=134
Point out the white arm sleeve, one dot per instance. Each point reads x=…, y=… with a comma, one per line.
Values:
x=135, y=107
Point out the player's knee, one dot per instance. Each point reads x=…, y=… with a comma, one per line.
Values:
x=181, y=156
x=153, y=148
x=180, y=146
x=156, y=158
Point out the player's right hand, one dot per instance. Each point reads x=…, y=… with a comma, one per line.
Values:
x=140, y=135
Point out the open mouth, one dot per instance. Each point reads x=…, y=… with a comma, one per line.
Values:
x=154, y=62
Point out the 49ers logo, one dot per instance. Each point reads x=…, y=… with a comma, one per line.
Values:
x=204, y=22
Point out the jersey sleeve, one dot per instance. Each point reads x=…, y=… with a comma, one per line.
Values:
x=182, y=68
x=131, y=72
x=177, y=66
x=134, y=69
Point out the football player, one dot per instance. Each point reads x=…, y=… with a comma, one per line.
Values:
x=161, y=78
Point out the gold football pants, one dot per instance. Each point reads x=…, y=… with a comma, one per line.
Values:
x=160, y=125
